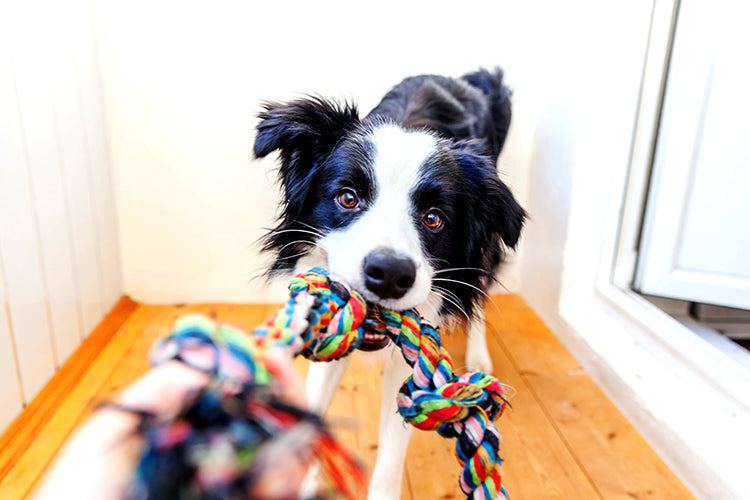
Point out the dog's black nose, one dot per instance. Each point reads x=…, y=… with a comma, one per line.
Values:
x=387, y=275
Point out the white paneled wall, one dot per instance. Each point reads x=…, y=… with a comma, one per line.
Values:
x=59, y=263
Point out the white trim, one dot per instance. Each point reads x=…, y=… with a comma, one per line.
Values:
x=726, y=375
x=652, y=89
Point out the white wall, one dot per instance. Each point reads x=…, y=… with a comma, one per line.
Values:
x=183, y=82
x=59, y=267
x=583, y=130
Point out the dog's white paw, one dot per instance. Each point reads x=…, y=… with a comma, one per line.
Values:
x=378, y=494
x=478, y=358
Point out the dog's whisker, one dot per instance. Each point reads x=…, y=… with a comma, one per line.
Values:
x=443, y=294
x=299, y=242
x=304, y=231
x=448, y=292
x=451, y=301
x=299, y=254
x=463, y=283
x=456, y=300
x=486, y=295
x=507, y=290
x=309, y=226
x=435, y=260
x=478, y=269
x=489, y=275
x=288, y=257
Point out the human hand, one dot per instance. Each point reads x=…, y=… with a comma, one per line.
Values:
x=100, y=458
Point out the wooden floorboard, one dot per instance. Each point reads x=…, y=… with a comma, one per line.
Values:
x=616, y=459
x=538, y=464
x=562, y=438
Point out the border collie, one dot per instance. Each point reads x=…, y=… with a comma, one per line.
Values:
x=405, y=206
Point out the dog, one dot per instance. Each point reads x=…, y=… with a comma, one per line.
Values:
x=406, y=206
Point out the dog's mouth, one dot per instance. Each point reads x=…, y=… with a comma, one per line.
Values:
x=373, y=341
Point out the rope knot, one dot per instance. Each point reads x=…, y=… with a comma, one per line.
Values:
x=335, y=315
x=435, y=398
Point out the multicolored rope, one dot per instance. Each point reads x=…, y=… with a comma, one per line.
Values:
x=435, y=398
x=324, y=320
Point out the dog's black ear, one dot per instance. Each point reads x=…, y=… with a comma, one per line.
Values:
x=303, y=125
x=505, y=211
x=494, y=205
x=305, y=132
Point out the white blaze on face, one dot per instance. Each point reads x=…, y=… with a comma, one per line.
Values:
x=388, y=221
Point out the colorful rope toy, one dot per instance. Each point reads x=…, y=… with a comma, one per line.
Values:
x=323, y=320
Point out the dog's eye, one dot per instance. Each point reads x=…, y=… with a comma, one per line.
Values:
x=434, y=220
x=347, y=199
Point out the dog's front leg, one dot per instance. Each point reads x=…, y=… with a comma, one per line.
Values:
x=393, y=435
x=323, y=380
x=477, y=355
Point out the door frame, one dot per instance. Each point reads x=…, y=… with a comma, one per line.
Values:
x=677, y=168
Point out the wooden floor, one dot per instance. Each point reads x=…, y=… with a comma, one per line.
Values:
x=561, y=439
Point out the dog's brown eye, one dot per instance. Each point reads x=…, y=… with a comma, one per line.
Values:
x=347, y=199
x=433, y=220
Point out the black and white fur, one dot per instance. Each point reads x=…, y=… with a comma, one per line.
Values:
x=405, y=205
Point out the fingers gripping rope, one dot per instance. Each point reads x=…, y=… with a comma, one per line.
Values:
x=230, y=434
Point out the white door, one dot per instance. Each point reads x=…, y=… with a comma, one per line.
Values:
x=695, y=243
